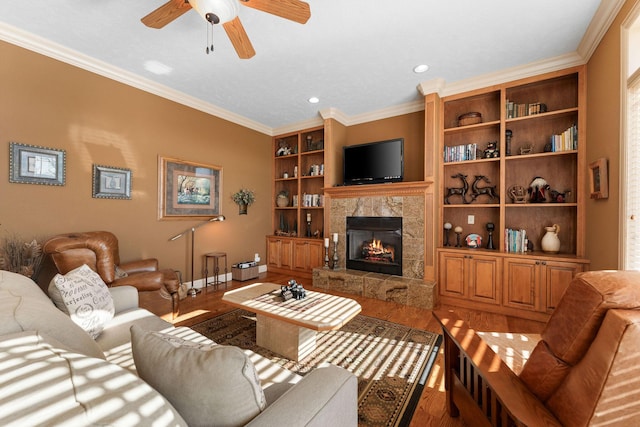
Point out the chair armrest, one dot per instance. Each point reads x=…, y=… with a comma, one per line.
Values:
x=469, y=363
x=326, y=396
x=124, y=298
x=139, y=266
x=145, y=281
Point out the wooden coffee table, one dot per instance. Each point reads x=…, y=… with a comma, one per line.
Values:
x=290, y=327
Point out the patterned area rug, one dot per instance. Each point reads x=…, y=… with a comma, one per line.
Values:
x=391, y=361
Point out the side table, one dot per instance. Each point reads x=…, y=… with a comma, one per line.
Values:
x=215, y=257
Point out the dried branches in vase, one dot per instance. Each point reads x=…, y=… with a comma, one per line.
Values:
x=18, y=256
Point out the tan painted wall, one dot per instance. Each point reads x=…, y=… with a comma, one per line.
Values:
x=408, y=126
x=99, y=121
x=603, y=140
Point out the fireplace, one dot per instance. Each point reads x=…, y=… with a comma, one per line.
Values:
x=374, y=244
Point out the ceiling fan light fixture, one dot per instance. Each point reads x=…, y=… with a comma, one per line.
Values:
x=225, y=10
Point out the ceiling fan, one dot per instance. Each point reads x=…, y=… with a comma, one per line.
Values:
x=226, y=13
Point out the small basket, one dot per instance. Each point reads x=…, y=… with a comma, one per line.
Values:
x=469, y=119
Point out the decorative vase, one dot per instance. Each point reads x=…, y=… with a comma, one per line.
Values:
x=282, y=201
x=242, y=209
x=550, y=242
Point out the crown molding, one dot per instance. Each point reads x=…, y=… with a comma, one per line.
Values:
x=294, y=127
x=72, y=57
x=598, y=27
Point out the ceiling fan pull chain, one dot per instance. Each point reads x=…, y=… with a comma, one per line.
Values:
x=209, y=37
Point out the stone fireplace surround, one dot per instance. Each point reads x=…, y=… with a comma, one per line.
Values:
x=385, y=200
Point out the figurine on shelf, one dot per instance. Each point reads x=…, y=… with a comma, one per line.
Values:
x=558, y=197
x=458, y=191
x=490, y=227
x=458, y=231
x=491, y=152
x=479, y=191
x=518, y=194
x=537, y=190
x=447, y=230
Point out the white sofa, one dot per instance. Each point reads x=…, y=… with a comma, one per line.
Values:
x=53, y=373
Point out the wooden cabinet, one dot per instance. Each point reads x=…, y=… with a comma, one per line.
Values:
x=298, y=215
x=279, y=253
x=288, y=254
x=537, y=284
x=470, y=275
x=519, y=133
x=308, y=254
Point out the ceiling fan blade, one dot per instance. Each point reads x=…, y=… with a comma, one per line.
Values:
x=166, y=13
x=293, y=10
x=239, y=38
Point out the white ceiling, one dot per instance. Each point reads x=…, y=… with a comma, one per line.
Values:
x=357, y=56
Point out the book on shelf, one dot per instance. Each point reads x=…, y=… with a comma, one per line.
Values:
x=515, y=240
x=567, y=140
x=460, y=153
x=521, y=110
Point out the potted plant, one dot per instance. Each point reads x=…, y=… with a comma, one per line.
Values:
x=243, y=198
x=19, y=256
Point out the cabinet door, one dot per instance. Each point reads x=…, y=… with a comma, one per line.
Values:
x=273, y=252
x=556, y=277
x=452, y=277
x=279, y=252
x=520, y=287
x=300, y=255
x=307, y=255
x=484, y=278
x=316, y=254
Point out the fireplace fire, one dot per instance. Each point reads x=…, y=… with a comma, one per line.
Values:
x=374, y=244
x=375, y=251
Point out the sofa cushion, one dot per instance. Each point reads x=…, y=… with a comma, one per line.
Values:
x=208, y=384
x=21, y=311
x=41, y=383
x=83, y=295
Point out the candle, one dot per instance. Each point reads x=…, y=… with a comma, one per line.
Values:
x=326, y=242
x=335, y=237
x=447, y=226
x=458, y=229
x=308, y=217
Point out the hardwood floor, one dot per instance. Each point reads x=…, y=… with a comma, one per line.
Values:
x=431, y=408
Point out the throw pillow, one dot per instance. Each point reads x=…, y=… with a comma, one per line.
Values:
x=209, y=384
x=83, y=295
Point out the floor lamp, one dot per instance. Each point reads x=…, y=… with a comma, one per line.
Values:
x=193, y=291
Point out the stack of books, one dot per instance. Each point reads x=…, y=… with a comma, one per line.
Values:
x=520, y=110
x=515, y=240
x=459, y=153
x=567, y=140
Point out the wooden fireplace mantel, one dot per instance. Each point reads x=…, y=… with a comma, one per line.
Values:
x=390, y=189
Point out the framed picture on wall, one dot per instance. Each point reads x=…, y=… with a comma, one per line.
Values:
x=30, y=164
x=188, y=189
x=111, y=183
x=599, y=179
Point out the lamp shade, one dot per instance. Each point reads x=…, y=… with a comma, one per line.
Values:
x=226, y=10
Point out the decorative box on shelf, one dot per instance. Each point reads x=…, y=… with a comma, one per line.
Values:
x=244, y=270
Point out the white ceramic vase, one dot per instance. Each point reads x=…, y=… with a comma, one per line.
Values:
x=550, y=241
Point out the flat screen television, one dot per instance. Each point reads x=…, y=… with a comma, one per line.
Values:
x=374, y=162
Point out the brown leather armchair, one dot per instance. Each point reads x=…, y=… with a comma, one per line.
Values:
x=99, y=250
x=583, y=371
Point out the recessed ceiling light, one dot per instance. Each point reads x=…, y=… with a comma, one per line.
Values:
x=420, y=68
x=314, y=100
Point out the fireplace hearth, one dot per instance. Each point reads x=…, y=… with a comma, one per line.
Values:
x=374, y=244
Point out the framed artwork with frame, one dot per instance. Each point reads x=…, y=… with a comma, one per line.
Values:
x=111, y=183
x=31, y=164
x=599, y=179
x=188, y=190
